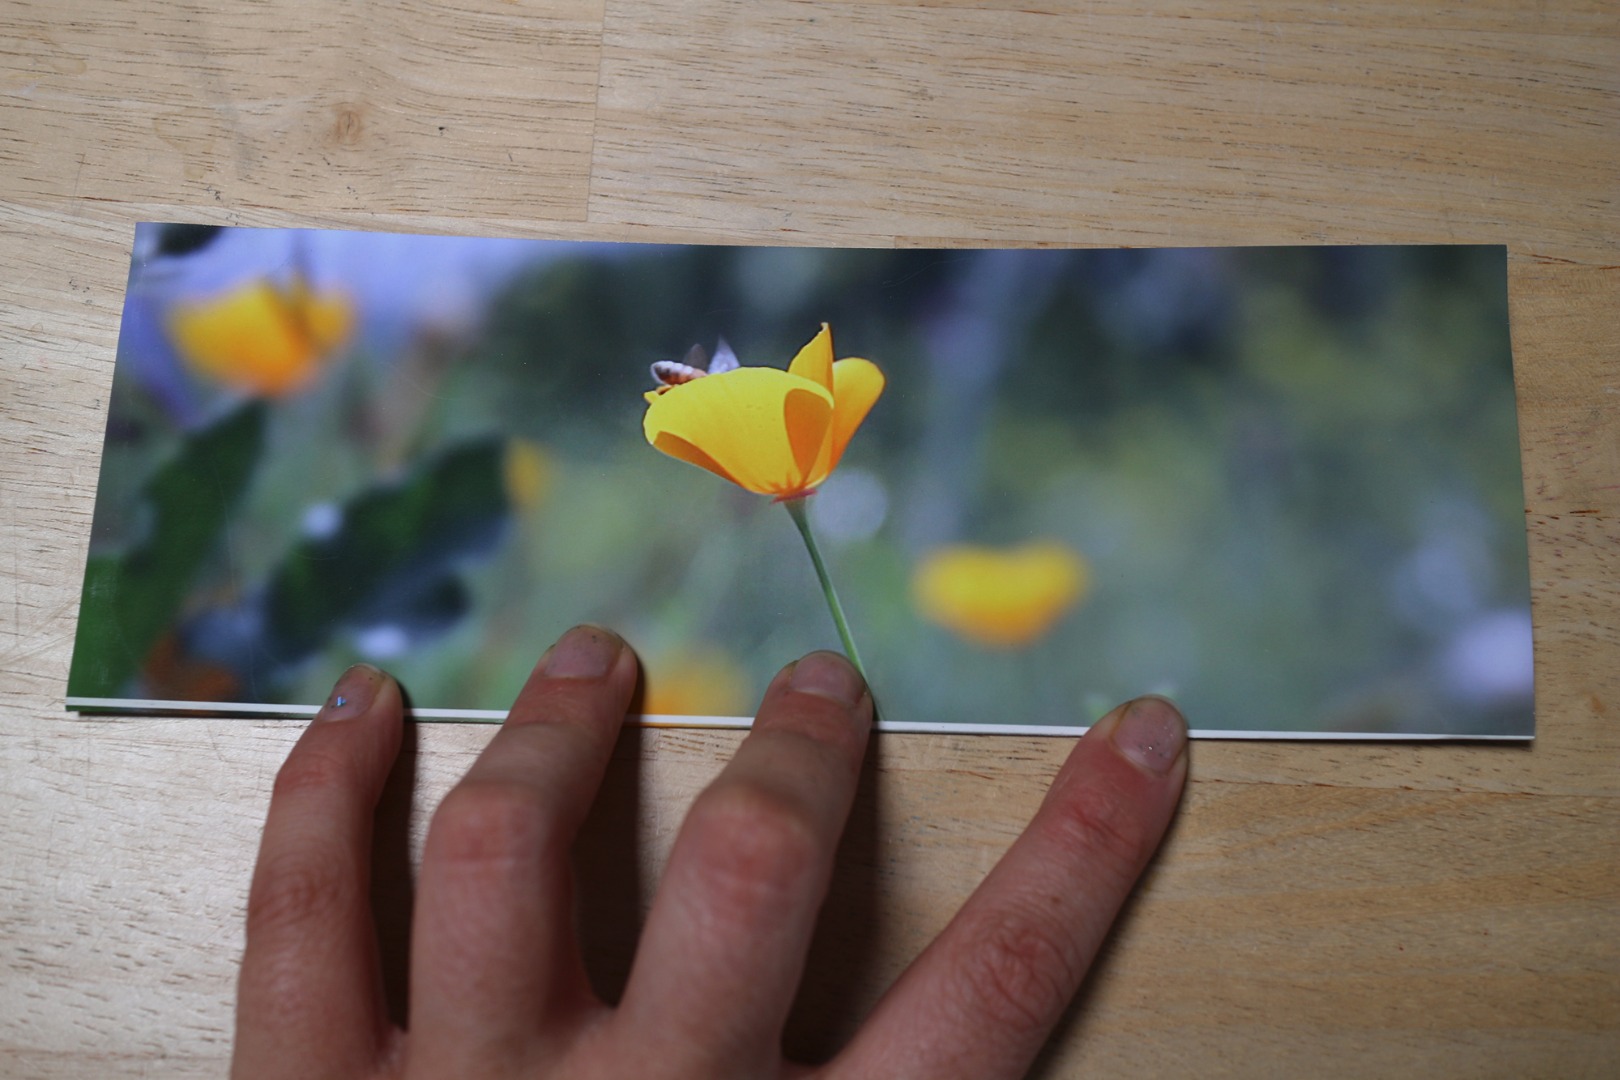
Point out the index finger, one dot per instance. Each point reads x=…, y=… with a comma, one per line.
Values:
x=981, y=999
x=310, y=1002
x=497, y=983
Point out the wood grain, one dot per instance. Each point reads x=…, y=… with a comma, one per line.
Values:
x=1325, y=910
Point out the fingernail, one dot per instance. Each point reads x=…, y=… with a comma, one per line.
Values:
x=353, y=694
x=585, y=652
x=1151, y=734
x=828, y=675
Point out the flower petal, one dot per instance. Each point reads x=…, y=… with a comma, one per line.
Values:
x=807, y=417
x=328, y=319
x=528, y=473
x=815, y=360
x=261, y=338
x=760, y=428
x=857, y=384
x=999, y=598
x=681, y=450
x=695, y=680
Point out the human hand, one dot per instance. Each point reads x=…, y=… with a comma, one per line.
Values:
x=498, y=986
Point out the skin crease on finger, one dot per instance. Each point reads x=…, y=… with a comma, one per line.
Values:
x=497, y=982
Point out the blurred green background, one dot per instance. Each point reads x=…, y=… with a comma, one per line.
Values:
x=1289, y=477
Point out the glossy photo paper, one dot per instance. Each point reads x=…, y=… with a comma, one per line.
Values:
x=1281, y=485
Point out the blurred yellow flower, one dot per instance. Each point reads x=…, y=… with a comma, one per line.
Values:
x=697, y=681
x=1002, y=598
x=528, y=473
x=771, y=432
x=263, y=338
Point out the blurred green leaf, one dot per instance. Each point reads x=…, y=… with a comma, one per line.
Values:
x=131, y=597
x=392, y=556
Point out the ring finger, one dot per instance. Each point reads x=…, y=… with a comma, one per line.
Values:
x=725, y=942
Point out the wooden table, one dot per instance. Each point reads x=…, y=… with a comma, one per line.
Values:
x=1320, y=909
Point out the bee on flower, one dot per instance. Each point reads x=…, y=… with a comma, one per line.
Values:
x=697, y=364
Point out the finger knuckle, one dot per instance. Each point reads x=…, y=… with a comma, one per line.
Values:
x=309, y=769
x=492, y=822
x=755, y=844
x=1101, y=829
x=824, y=728
x=1018, y=973
x=297, y=891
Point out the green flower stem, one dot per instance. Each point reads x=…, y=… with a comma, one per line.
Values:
x=796, y=511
